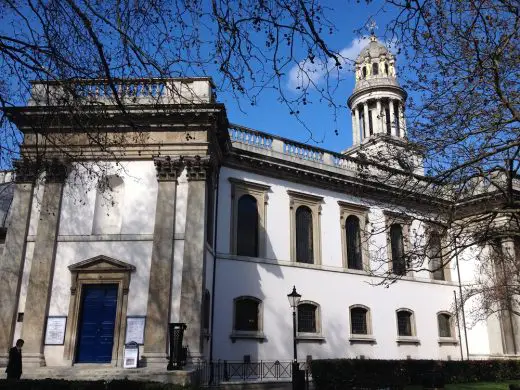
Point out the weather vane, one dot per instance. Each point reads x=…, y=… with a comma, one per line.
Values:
x=372, y=26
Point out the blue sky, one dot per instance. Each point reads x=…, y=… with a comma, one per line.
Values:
x=271, y=116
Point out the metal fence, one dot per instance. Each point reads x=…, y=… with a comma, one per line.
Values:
x=214, y=373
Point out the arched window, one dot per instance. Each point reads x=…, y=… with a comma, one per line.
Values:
x=206, y=310
x=108, y=211
x=444, y=321
x=397, y=245
x=405, y=323
x=359, y=320
x=247, y=226
x=364, y=71
x=353, y=232
x=375, y=69
x=247, y=314
x=304, y=235
x=386, y=68
x=308, y=318
x=435, y=255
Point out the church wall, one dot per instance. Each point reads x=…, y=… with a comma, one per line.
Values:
x=270, y=279
x=334, y=292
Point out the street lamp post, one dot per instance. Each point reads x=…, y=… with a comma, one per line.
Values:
x=294, y=299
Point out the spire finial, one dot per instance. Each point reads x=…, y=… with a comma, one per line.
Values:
x=372, y=26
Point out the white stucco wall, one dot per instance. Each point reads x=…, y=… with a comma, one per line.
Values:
x=328, y=284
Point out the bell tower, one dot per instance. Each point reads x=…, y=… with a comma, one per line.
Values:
x=377, y=103
x=377, y=106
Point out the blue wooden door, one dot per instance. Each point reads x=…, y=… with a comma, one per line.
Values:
x=96, y=328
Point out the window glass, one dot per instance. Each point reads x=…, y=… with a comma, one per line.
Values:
x=358, y=320
x=247, y=226
x=353, y=232
x=304, y=236
x=246, y=314
x=397, y=246
x=306, y=318
x=444, y=325
x=404, y=323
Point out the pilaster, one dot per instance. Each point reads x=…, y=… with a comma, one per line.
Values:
x=13, y=257
x=356, y=126
x=193, y=269
x=159, y=291
x=42, y=268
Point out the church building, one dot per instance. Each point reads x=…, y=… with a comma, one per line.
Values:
x=149, y=207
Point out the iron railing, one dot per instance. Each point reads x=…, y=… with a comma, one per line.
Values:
x=214, y=373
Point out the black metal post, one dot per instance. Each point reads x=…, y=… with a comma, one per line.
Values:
x=294, y=333
x=295, y=367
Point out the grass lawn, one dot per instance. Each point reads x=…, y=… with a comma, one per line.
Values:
x=474, y=386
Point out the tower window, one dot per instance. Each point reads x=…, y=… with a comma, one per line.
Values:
x=386, y=69
x=375, y=69
x=364, y=71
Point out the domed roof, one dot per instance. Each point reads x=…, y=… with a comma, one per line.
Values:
x=373, y=50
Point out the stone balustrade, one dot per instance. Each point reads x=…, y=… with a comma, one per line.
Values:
x=133, y=91
x=251, y=139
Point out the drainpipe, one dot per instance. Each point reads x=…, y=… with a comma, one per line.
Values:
x=461, y=298
x=215, y=235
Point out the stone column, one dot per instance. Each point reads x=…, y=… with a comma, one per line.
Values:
x=193, y=267
x=358, y=126
x=159, y=290
x=367, y=122
x=355, y=128
x=392, y=117
x=13, y=258
x=42, y=268
x=403, y=120
x=508, y=322
x=379, y=118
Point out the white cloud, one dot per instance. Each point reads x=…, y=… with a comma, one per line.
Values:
x=306, y=72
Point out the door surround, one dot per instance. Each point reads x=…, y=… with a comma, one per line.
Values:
x=98, y=270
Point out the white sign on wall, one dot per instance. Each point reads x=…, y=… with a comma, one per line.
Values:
x=135, y=329
x=55, y=330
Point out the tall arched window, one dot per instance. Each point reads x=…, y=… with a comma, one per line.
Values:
x=304, y=235
x=247, y=226
x=375, y=69
x=386, y=69
x=364, y=71
x=353, y=232
x=308, y=318
x=397, y=245
x=435, y=255
x=108, y=211
x=444, y=321
x=247, y=314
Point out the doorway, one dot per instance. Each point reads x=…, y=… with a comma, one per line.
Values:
x=97, y=323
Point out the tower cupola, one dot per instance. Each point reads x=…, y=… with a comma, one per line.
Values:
x=377, y=102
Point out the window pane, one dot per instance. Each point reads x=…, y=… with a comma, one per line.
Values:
x=246, y=315
x=358, y=321
x=404, y=323
x=444, y=325
x=247, y=226
x=307, y=318
x=396, y=242
x=353, y=232
x=304, y=242
x=435, y=254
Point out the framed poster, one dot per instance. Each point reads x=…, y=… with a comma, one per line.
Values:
x=135, y=329
x=55, y=330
